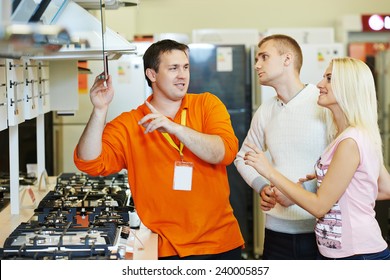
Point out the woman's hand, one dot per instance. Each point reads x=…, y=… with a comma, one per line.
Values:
x=257, y=159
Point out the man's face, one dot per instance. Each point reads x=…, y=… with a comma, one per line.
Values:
x=269, y=63
x=173, y=76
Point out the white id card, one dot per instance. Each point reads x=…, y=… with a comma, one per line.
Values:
x=182, y=177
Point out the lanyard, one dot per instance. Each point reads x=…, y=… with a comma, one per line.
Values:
x=169, y=139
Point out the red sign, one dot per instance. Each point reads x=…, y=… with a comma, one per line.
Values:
x=376, y=23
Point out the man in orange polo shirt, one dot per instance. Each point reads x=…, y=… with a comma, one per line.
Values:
x=176, y=147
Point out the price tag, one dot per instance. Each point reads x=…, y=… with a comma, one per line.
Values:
x=31, y=193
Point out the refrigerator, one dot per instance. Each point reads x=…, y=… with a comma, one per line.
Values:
x=225, y=70
x=382, y=78
x=130, y=88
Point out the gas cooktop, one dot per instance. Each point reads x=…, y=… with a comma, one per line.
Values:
x=61, y=242
x=82, y=218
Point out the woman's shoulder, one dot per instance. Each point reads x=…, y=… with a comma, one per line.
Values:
x=357, y=135
x=352, y=132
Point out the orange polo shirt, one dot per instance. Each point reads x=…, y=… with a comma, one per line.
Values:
x=195, y=222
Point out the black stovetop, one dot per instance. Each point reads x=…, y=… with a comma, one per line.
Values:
x=82, y=218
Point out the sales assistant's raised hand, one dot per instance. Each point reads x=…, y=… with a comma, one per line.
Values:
x=257, y=159
x=157, y=121
x=101, y=92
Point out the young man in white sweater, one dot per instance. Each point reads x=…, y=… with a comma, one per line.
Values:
x=291, y=127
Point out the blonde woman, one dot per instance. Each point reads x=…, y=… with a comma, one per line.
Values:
x=350, y=172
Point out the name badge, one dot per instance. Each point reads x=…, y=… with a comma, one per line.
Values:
x=182, y=178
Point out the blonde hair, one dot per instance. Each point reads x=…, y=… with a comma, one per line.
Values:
x=354, y=90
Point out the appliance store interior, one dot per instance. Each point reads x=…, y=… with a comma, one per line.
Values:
x=52, y=50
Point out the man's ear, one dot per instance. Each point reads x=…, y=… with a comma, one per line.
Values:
x=288, y=59
x=151, y=74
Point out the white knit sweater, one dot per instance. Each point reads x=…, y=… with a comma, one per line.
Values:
x=294, y=135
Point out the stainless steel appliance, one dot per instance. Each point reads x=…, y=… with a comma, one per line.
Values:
x=225, y=70
x=84, y=217
x=381, y=69
x=65, y=241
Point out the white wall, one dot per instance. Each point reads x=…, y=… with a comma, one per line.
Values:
x=182, y=16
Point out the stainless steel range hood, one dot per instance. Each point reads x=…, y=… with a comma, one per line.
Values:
x=34, y=39
x=109, y=4
x=86, y=35
x=57, y=30
x=19, y=38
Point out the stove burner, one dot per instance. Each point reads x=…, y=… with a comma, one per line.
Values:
x=36, y=240
x=58, y=203
x=54, y=219
x=44, y=232
x=88, y=240
x=107, y=201
x=68, y=203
